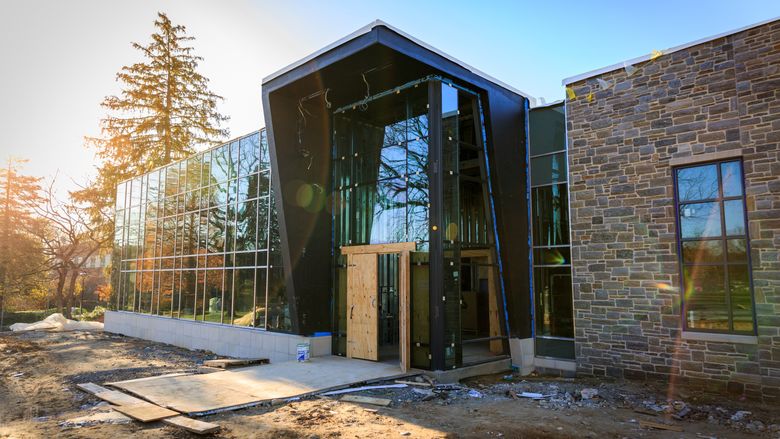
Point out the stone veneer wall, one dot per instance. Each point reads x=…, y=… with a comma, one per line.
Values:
x=715, y=99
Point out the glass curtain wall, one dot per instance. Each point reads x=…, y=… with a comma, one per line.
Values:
x=382, y=193
x=192, y=239
x=554, y=313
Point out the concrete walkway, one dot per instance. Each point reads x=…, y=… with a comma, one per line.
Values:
x=232, y=389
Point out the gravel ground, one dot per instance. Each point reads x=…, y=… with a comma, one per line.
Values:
x=39, y=372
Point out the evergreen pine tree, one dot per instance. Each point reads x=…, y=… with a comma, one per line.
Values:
x=164, y=111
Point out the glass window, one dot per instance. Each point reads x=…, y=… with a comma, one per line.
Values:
x=700, y=220
x=717, y=293
x=265, y=159
x=220, y=164
x=732, y=179
x=548, y=130
x=554, y=310
x=548, y=169
x=246, y=226
x=243, y=297
x=193, y=172
x=249, y=161
x=233, y=160
x=213, y=296
x=279, y=318
x=697, y=183
x=552, y=285
x=550, y=206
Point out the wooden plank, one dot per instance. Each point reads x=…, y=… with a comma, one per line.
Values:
x=396, y=247
x=404, y=286
x=192, y=425
x=224, y=363
x=146, y=412
x=119, y=398
x=656, y=425
x=362, y=309
x=412, y=383
x=494, y=324
x=91, y=388
x=384, y=402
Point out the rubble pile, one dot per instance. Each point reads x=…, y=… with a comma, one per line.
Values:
x=570, y=394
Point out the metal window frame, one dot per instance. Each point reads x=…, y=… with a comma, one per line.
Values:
x=723, y=238
x=176, y=215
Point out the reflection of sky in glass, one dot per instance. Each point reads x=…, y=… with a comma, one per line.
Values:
x=699, y=183
x=732, y=179
x=700, y=220
x=735, y=219
x=449, y=100
x=389, y=222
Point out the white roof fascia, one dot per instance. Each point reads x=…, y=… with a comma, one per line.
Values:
x=644, y=58
x=368, y=28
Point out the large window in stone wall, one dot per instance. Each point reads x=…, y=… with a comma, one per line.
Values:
x=553, y=309
x=714, y=248
x=194, y=240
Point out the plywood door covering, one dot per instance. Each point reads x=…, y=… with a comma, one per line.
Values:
x=363, y=271
x=362, y=311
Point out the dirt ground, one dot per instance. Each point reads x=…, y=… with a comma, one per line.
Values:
x=38, y=398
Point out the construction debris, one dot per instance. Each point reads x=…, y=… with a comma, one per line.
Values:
x=57, y=323
x=108, y=417
x=656, y=425
x=413, y=383
x=225, y=363
x=360, y=389
x=384, y=402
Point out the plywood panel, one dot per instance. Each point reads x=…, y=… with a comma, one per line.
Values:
x=403, y=308
x=146, y=412
x=396, y=247
x=200, y=394
x=193, y=425
x=362, y=311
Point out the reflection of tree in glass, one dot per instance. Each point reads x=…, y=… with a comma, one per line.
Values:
x=699, y=183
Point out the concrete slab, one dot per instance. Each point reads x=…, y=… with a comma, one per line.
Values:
x=232, y=389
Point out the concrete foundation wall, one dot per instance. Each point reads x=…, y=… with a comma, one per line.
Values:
x=233, y=341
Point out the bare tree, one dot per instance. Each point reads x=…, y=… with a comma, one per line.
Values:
x=69, y=237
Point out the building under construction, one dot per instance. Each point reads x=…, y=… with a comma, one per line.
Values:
x=402, y=206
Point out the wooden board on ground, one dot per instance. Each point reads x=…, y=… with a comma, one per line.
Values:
x=366, y=400
x=91, y=388
x=146, y=412
x=230, y=389
x=118, y=398
x=660, y=426
x=192, y=425
x=224, y=363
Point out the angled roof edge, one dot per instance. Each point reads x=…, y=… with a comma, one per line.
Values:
x=376, y=23
x=644, y=58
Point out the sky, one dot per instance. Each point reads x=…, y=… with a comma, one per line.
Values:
x=59, y=59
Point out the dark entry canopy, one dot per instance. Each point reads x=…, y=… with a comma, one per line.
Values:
x=298, y=102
